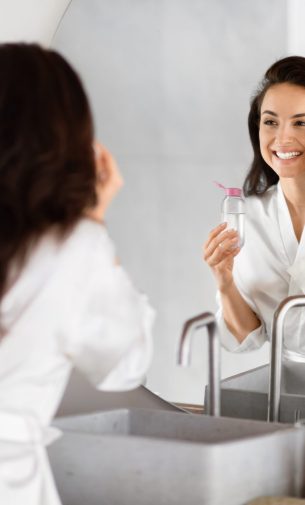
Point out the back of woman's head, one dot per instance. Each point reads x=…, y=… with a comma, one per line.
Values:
x=290, y=70
x=47, y=170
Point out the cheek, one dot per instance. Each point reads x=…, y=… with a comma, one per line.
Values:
x=265, y=137
x=262, y=141
x=264, y=148
x=301, y=138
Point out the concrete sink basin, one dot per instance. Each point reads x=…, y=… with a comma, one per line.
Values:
x=246, y=395
x=81, y=398
x=149, y=457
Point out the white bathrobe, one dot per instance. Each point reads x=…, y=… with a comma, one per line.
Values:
x=270, y=267
x=70, y=306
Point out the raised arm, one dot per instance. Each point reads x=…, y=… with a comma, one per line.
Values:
x=219, y=252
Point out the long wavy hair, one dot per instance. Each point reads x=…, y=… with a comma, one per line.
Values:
x=287, y=70
x=47, y=168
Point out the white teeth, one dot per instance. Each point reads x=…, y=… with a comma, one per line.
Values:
x=287, y=156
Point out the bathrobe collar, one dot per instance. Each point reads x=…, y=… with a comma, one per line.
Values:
x=295, y=250
x=289, y=239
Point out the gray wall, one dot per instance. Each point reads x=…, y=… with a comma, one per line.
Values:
x=170, y=82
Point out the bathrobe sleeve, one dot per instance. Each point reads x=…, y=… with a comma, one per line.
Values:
x=108, y=335
x=253, y=341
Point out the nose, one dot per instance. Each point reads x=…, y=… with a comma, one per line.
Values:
x=284, y=136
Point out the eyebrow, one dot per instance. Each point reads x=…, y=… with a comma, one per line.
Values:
x=301, y=114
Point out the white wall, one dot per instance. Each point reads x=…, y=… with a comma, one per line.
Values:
x=30, y=20
x=295, y=27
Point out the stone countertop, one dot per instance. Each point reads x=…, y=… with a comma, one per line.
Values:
x=190, y=407
x=267, y=500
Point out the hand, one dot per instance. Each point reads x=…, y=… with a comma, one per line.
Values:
x=108, y=182
x=219, y=252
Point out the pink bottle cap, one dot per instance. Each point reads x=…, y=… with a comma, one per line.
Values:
x=229, y=191
x=233, y=191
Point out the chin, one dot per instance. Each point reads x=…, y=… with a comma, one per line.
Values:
x=286, y=174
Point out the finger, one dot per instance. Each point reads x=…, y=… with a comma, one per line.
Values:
x=236, y=251
x=98, y=148
x=221, y=238
x=102, y=154
x=231, y=252
x=105, y=164
x=108, y=160
x=216, y=232
x=224, y=250
x=227, y=259
x=213, y=234
x=101, y=168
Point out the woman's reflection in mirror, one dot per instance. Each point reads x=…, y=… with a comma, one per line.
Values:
x=271, y=266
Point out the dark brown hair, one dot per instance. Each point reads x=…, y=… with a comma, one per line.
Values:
x=287, y=70
x=47, y=169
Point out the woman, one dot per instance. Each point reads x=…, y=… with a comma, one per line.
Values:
x=64, y=300
x=271, y=265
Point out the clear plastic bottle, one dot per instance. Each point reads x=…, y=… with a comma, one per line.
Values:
x=233, y=210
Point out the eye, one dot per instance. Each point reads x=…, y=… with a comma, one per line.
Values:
x=269, y=122
x=299, y=123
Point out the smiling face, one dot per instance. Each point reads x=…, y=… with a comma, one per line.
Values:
x=282, y=129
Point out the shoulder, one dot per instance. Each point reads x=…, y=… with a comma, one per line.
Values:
x=86, y=251
x=90, y=236
x=61, y=266
x=91, y=230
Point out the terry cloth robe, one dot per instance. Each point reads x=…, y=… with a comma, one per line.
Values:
x=270, y=267
x=71, y=305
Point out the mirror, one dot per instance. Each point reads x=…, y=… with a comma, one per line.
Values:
x=170, y=83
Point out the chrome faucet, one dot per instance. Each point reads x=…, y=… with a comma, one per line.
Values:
x=276, y=354
x=184, y=354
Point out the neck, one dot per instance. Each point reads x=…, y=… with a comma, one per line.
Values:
x=294, y=192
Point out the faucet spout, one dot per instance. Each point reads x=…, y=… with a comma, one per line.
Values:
x=276, y=354
x=184, y=355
